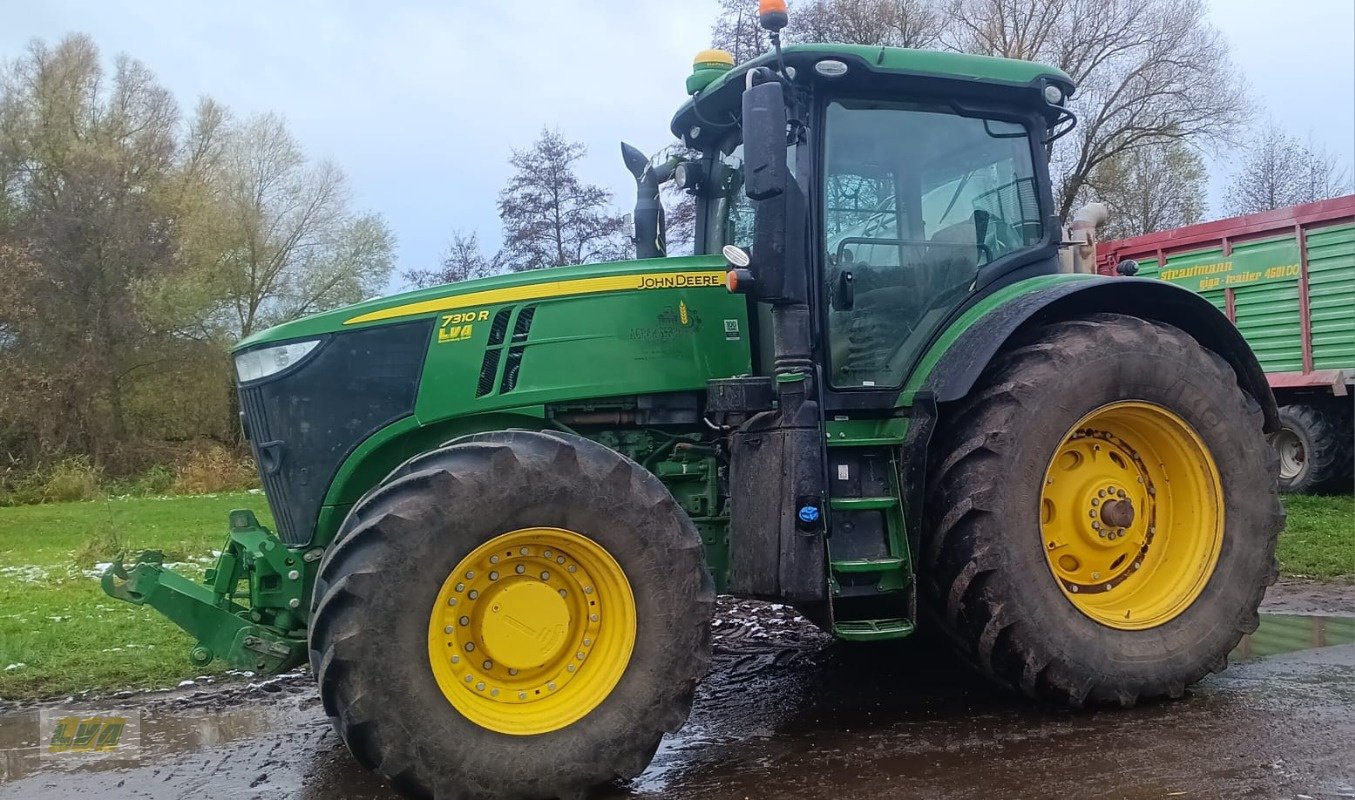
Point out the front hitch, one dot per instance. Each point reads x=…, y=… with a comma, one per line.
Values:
x=268, y=636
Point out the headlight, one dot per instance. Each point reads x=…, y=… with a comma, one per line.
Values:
x=261, y=363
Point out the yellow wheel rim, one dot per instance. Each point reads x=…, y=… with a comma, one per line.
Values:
x=532, y=631
x=1132, y=515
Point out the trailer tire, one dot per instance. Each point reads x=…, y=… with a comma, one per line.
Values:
x=1315, y=446
x=386, y=582
x=1063, y=400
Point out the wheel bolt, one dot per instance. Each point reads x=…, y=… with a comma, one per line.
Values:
x=559, y=559
x=473, y=594
x=551, y=686
x=519, y=569
x=1101, y=493
x=592, y=617
x=545, y=576
x=546, y=554
x=512, y=672
x=569, y=668
x=461, y=587
x=470, y=647
x=449, y=629
x=470, y=574
x=1096, y=526
x=493, y=559
x=451, y=601
x=464, y=621
x=1096, y=502
x=524, y=551
x=488, y=664
x=522, y=695
x=493, y=576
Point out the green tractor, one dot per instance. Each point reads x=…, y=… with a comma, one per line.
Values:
x=504, y=507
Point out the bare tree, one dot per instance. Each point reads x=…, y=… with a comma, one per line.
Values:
x=896, y=23
x=463, y=261
x=1149, y=189
x=736, y=30
x=1280, y=171
x=1147, y=72
x=293, y=245
x=550, y=217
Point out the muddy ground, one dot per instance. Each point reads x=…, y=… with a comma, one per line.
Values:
x=788, y=713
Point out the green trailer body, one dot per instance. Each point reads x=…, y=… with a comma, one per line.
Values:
x=1286, y=279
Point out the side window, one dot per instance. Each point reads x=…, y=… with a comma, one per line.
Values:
x=915, y=199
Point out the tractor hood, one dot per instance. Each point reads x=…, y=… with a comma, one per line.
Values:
x=542, y=284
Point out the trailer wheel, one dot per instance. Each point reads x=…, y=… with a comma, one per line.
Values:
x=1102, y=514
x=516, y=614
x=1314, y=446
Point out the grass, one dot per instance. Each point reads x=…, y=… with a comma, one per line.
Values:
x=56, y=621
x=1319, y=539
x=70, y=637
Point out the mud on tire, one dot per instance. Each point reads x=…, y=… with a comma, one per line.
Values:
x=985, y=579
x=379, y=580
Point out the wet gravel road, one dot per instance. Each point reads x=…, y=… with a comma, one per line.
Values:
x=788, y=713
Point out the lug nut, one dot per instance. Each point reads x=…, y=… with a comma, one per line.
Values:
x=519, y=569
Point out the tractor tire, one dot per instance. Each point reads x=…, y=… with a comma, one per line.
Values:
x=1089, y=449
x=557, y=514
x=1315, y=446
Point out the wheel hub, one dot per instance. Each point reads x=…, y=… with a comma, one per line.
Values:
x=532, y=630
x=526, y=625
x=1103, y=514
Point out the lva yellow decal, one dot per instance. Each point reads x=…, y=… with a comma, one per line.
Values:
x=458, y=327
x=545, y=291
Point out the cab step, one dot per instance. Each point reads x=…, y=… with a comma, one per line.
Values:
x=863, y=630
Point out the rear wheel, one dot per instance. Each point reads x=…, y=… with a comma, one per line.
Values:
x=1102, y=514
x=514, y=615
x=1314, y=446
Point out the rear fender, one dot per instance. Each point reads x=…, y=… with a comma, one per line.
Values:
x=950, y=370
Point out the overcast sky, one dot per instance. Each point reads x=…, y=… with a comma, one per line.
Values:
x=421, y=102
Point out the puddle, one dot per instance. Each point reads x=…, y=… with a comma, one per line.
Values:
x=785, y=708
x=1288, y=633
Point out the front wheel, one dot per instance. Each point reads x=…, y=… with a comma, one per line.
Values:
x=515, y=615
x=1102, y=514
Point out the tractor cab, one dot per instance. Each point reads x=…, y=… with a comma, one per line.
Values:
x=864, y=197
x=918, y=187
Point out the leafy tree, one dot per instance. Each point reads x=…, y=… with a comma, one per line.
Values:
x=463, y=261
x=1149, y=189
x=1279, y=171
x=84, y=161
x=550, y=217
x=293, y=245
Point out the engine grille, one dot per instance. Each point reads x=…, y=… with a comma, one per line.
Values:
x=304, y=422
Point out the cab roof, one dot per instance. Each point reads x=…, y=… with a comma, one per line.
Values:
x=945, y=71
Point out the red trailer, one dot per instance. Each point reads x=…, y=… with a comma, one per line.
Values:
x=1286, y=278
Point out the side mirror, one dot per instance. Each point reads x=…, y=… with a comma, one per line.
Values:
x=764, y=141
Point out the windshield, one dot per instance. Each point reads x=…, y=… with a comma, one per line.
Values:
x=915, y=199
